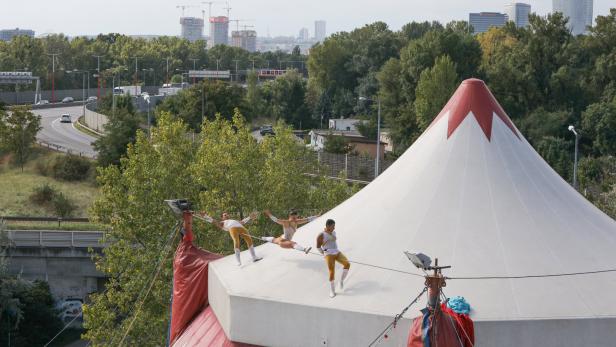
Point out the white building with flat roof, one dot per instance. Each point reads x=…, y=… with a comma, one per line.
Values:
x=579, y=12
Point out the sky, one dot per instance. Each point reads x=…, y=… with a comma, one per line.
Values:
x=276, y=17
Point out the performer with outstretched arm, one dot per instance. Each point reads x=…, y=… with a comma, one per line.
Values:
x=326, y=244
x=289, y=227
x=236, y=229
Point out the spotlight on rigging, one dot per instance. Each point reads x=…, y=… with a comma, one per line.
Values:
x=420, y=260
x=178, y=206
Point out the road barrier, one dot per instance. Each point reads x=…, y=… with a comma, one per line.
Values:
x=55, y=238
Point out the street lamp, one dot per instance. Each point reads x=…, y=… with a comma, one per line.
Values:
x=146, y=97
x=575, y=163
x=378, y=133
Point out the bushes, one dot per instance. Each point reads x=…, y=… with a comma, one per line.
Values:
x=54, y=200
x=65, y=167
x=70, y=168
x=43, y=194
x=63, y=206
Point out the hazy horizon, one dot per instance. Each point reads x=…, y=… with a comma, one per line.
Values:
x=276, y=17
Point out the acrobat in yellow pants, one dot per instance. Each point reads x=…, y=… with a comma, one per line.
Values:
x=330, y=259
x=235, y=235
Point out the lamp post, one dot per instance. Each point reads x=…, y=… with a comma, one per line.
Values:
x=53, y=75
x=378, y=133
x=146, y=97
x=575, y=161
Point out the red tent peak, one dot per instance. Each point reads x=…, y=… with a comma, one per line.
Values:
x=473, y=95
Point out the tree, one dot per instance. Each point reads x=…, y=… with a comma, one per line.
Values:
x=224, y=170
x=435, y=87
x=18, y=129
x=599, y=124
x=286, y=99
x=337, y=144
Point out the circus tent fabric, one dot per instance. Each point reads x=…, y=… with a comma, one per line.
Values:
x=470, y=191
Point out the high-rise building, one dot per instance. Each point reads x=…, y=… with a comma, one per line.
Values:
x=219, y=31
x=192, y=28
x=319, y=30
x=8, y=34
x=304, y=34
x=579, y=12
x=483, y=21
x=246, y=39
x=518, y=13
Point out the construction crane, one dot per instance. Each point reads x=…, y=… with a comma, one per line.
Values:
x=247, y=26
x=184, y=7
x=228, y=8
x=237, y=22
x=209, y=3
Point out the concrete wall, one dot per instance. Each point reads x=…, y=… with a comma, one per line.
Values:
x=70, y=272
x=93, y=119
x=27, y=96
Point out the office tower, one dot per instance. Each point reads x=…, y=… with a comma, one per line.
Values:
x=246, y=39
x=518, y=13
x=8, y=34
x=319, y=30
x=304, y=34
x=219, y=31
x=192, y=28
x=483, y=21
x=579, y=12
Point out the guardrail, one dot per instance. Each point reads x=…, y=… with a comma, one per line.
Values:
x=57, y=239
x=60, y=148
x=60, y=220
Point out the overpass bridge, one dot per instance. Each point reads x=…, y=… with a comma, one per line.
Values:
x=62, y=258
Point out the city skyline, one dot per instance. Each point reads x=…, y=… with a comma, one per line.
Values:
x=160, y=17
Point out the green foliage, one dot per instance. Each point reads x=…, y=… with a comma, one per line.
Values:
x=599, y=125
x=337, y=144
x=70, y=168
x=120, y=130
x=43, y=194
x=18, y=129
x=540, y=123
x=285, y=100
x=558, y=153
x=27, y=308
x=225, y=169
x=217, y=97
x=63, y=206
x=597, y=180
x=435, y=87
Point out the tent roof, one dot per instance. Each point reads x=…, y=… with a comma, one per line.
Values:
x=470, y=191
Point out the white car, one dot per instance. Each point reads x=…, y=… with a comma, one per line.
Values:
x=67, y=100
x=65, y=118
x=92, y=98
x=69, y=309
x=42, y=102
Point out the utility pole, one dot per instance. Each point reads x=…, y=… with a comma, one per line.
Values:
x=53, y=75
x=194, y=66
x=236, y=74
x=98, y=71
x=136, y=79
x=167, y=70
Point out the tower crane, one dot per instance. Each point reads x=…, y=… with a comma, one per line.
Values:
x=184, y=7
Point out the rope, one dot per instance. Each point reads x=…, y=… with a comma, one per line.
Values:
x=531, y=276
x=396, y=319
x=463, y=330
x=157, y=272
x=60, y=332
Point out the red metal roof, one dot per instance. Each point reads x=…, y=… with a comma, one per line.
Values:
x=205, y=330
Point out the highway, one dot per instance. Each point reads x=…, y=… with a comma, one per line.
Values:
x=64, y=135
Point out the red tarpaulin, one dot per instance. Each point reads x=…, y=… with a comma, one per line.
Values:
x=193, y=323
x=426, y=331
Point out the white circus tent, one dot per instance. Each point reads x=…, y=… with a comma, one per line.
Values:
x=470, y=191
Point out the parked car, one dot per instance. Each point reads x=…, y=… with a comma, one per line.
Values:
x=67, y=100
x=91, y=98
x=65, y=118
x=69, y=309
x=266, y=130
x=42, y=102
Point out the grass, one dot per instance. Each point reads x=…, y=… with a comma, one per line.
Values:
x=16, y=187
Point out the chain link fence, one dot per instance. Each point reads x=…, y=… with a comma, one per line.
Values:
x=356, y=167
